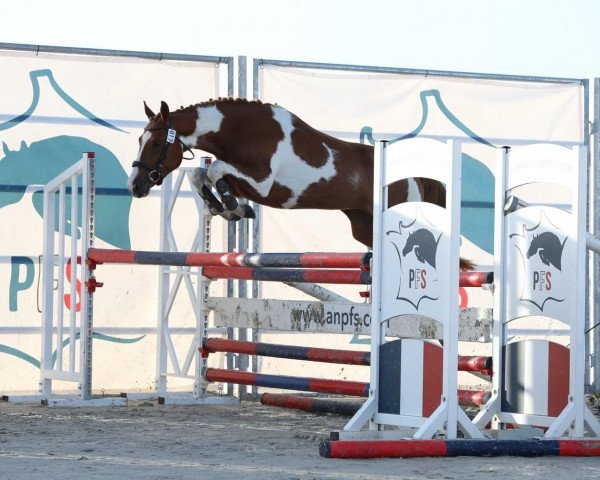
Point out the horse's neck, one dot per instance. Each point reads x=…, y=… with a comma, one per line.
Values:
x=210, y=134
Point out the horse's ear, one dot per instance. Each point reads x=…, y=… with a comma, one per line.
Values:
x=164, y=112
x=5, y=148
x=149, y=113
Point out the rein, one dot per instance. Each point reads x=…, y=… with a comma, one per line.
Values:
x=155, y=173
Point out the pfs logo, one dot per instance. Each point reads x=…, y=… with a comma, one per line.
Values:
x=417, y=251
x=541, y=250
x=549, y=249
x=424, y=245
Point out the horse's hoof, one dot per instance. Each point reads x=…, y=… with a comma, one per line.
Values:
x=232, y=217
x=230, y=202
x=227, y=198
x=249, y=211
x=214, y=212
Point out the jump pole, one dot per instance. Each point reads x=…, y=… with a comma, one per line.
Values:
x=324, y=405
x=327, y=355
x=214, y=259
x=313, y=354
x=300, y=275
x=318, y=385
x=338, y=268
x=305, y=384
x=310, y=404
x=458, y=448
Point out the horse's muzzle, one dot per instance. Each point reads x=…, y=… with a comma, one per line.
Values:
x=139, y=191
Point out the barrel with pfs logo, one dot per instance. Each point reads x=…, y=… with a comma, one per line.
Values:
x=540, y=261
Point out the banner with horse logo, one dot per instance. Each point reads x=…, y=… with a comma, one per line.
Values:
x=54, y=107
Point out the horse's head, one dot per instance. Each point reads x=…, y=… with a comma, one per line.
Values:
x=161, y=152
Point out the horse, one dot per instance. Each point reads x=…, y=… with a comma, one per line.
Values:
x=268, y=155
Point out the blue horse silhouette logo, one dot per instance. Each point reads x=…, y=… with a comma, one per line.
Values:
x=43, y=160
x=540, y=249
x=417, y=252
x=423, y=244
x=548, y=247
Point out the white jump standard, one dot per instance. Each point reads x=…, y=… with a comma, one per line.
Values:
x=539, y=270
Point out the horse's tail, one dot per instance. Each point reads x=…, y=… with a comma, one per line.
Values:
x=466, y=265
x=435, y=192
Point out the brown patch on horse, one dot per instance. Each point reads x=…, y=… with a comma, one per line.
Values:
x=398, y=192
x=235, y=125
x=353, y=180
x=278, y=195
x=184, y=120
x=433, y=191
x=306, y=145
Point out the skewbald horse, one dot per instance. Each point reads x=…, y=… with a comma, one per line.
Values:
x=268, y=155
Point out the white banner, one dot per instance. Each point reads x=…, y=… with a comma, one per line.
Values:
x=53, y=107
x=394, y=105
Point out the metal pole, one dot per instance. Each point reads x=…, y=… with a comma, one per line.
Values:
x=242, y=240
x=256, y=226
x=231, y=236
x=595, y=203
x=408, y=71
x=164, y=282
x=89, y=196
x=589, y=285
x=48, y=294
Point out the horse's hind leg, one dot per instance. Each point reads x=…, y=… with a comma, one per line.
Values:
x=362, y=226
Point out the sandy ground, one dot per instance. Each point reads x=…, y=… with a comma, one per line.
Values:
x=149, y=441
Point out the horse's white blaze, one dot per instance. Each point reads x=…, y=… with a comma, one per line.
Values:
x=209, y=120
x=413, y=193
x=135, y=170
x=287, y=168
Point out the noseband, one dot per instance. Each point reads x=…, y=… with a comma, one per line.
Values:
x=155, y=173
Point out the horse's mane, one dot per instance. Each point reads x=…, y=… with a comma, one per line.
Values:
x=221, y=100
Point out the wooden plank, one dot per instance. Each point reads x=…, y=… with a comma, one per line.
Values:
x=332, y=317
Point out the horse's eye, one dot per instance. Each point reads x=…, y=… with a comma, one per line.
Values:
x=156, y=143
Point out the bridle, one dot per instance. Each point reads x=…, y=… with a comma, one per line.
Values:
x=155, y=173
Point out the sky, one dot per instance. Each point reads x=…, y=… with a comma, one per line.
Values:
x=553, y=38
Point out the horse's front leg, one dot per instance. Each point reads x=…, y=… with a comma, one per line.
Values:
x=216, y=173
x=199, y=180
x=202, y=183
